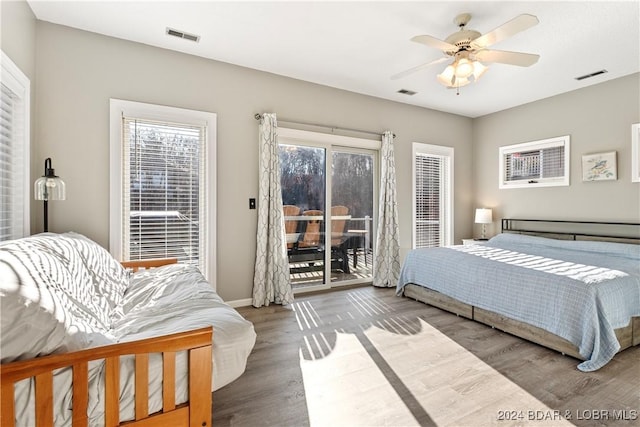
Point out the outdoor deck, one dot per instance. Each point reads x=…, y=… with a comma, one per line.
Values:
x=362, y=270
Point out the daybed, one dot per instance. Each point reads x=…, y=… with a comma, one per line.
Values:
x=581, y=298
x=130, y=344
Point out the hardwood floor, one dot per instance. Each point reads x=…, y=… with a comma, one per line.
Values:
x=364, y=357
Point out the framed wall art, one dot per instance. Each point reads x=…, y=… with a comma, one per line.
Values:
x=599, y=167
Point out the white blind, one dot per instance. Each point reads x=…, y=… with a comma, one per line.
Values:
x=164, y=191
x=431, y=193
x=12, y=179
x=535, y=165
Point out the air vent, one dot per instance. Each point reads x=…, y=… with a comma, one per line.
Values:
x=407, y=92
x=182, y=35
x=595, y=73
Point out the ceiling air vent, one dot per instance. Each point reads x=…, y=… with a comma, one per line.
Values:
x=182, y=35
x=595, y=73
x=407, y=92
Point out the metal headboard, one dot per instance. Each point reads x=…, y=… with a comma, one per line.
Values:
x=627, y=232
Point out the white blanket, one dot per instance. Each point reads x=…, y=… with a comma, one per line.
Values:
x=177, y=298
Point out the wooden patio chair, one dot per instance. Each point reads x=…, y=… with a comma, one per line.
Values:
x=338, y=238
x=311, y=237
x=290, y=226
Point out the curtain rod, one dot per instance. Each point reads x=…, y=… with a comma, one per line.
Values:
x=258, y=116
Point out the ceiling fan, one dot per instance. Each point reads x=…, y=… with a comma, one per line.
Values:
x=469, y=47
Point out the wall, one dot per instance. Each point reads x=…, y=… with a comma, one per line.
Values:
x=18, y=35
x=18, y=41
x=77, y=73
x=598, y=118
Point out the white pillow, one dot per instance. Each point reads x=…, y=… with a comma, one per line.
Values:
x=35, y=321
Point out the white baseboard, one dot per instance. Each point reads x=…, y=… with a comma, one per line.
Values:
x=240, y=302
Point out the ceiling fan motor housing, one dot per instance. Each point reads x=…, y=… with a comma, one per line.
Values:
x=462, y=40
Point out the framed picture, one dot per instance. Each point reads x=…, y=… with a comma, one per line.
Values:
x=635, y=152
x=599, y=167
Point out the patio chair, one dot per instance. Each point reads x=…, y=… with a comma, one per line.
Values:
x=339, y=240
x=309, y=248
x=291, y=226
x=311, y=237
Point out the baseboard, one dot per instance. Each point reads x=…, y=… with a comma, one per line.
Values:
x=248, y=301
x=240, y=302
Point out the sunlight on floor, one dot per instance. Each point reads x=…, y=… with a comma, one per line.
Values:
x=381, y=377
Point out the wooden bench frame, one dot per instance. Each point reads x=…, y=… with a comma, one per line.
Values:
x=195, y=412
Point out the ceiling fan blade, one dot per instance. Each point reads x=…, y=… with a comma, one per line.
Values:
x=418, y=68
x=434, y=42
x=508, y=29
x=505, y=57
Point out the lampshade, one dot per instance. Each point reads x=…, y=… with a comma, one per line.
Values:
x=49, y=186
x=464, y=68
x=478, y=70
x=483, y=216
x=446, y=77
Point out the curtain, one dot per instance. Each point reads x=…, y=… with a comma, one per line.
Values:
x=386, y=264
x=271, y=280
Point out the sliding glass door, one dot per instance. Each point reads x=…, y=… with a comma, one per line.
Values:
x=352, y=196
x=329, y=194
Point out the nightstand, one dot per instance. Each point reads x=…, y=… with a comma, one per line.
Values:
x=473, y=241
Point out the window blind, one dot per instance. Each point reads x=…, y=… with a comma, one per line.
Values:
x=431, y=194
x=537, y=163
x=12, y=179
x=164, y=190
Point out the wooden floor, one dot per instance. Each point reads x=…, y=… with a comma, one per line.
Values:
x=364, y=357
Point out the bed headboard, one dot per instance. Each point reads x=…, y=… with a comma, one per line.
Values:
x=625, y=232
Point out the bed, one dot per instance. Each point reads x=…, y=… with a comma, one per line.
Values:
x=87, y=340
x=573, y=286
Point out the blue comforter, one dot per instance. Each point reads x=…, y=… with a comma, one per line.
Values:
x=578, y=290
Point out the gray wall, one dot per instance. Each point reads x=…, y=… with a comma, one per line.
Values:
x=77, y=73
x=598, y=118
x=18, y=35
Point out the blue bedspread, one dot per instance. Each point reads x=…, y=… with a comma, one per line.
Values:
x=580, y=291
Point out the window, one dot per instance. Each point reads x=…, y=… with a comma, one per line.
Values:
x=162, y=189
x=535, y=164
x=432, y=195
x=14, y=151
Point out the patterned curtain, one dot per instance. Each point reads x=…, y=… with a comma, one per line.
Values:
x=386, y=264
x=271, y=281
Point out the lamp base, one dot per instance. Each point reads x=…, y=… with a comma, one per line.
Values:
x=46, y=216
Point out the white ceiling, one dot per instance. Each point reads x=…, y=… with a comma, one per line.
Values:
x=358, y=46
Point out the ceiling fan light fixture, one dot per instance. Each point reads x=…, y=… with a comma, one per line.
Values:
x=447, y=76
x=478, y=70
x=464, y=68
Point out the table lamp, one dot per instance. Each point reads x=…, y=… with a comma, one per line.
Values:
x=484, y=217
